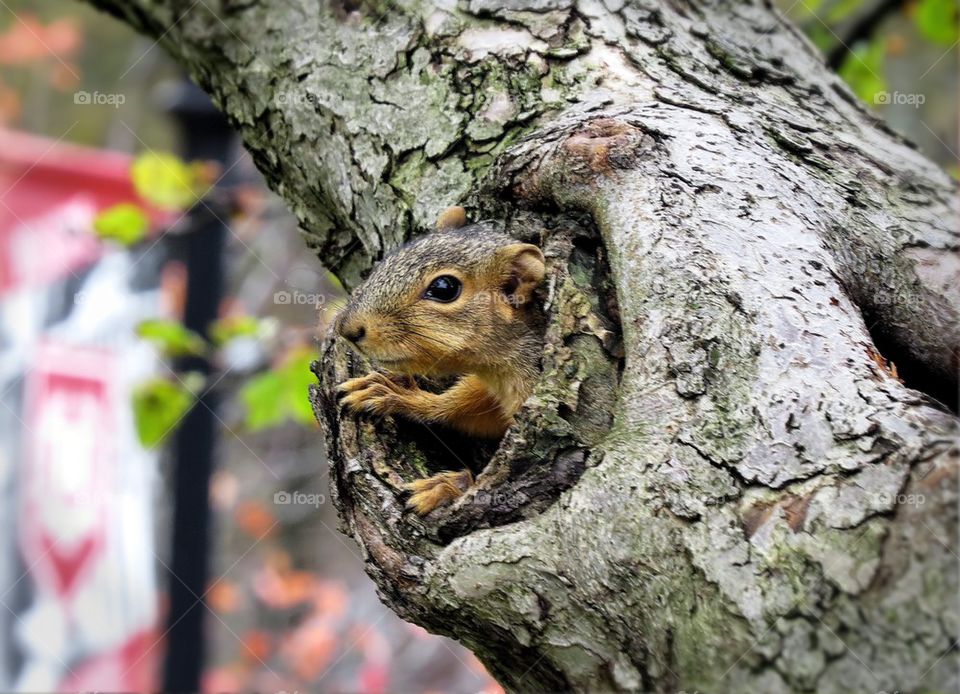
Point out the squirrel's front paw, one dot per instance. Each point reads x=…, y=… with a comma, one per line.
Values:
x=439, y=490
x=375, y=393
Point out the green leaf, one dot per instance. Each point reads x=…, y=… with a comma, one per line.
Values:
x=863, y=71
x=298, y=377
x=166, y=181
x=281, y=393
x=939, y=20
x=158, y=406
x=808, y=7
x=822, y=38
x=265, y=399
x=335, y=282
x=232, y=327
x=124, y=223
x=172, y=338
x=842, y=10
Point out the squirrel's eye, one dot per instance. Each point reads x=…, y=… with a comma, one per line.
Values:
x=444, y=289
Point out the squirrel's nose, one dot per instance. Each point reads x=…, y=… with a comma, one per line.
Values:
x=353, y=331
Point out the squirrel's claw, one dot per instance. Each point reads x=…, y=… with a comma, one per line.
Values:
x=378, y=378
x=441, y=489
x=372, y=378
x=375, y=393
x=375, y=399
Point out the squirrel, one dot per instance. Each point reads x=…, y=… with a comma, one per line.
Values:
x=454, y=302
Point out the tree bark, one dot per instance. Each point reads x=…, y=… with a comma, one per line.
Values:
x=719, y=483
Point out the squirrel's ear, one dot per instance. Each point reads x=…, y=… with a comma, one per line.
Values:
x=452, y=218
x=525, y=269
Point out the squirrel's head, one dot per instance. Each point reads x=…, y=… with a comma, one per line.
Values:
x=445, y=303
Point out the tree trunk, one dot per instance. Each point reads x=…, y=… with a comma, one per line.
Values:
x=720, y=483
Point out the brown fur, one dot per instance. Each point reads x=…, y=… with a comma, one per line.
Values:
x=489, y=336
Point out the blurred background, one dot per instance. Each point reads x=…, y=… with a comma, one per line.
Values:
x=166, y=522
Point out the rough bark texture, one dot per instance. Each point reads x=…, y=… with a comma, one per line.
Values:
x=718, y=485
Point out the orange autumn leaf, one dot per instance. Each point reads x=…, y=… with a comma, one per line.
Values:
x=9, y=104
x=63, y=37
x=896, y=45
x=258, y=645
x=249, y=200
x=207, y=171
x=28, y=41
x=224, y=596
x=309, y=649
x=330, y=599
x=283, y=589
x=20, y=44
x=254, y=518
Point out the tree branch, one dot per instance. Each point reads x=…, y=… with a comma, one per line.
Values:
x=733, y=506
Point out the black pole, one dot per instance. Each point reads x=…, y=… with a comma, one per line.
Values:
x=207, y=136
x=861, y=30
